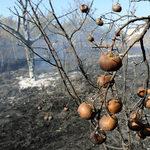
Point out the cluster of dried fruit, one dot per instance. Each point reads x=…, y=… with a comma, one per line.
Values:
x=84, y=9
x=110, y=62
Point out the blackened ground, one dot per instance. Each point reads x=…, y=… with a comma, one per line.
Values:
x=22, y=125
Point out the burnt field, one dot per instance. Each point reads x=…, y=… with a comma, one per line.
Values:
x=22, y=124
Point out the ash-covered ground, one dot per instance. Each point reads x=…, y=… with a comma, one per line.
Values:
x=22, y=124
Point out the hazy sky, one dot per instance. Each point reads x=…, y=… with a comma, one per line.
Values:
x=103, y=6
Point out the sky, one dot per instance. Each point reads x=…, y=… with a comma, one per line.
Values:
x=103, y=6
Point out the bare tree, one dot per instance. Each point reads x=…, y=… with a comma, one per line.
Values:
x=113, y=60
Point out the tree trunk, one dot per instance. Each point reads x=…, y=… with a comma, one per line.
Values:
x=30, y=60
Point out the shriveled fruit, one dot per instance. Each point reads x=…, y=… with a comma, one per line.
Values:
x=50, y=117
x=146, y=130
x=103, y=81
x=147, y=103
x=114, y=106
x=98, y=137
x=45, y=117
x=139, y=136
x=148, y=91
x=117, y=8
x=99, y=22
x=135, y=124
x=87, y=111
x=110, y=62
x=108, y=122
x=39, y=107
x=66, y=108
x=141, y=92
x=90, y=38
x=135, y=115
x=83, y=8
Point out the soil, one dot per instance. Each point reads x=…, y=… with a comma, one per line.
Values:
x=23, y=127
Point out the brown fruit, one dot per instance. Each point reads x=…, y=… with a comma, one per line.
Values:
x=146, y=130
x=83, y=8
x=98, y=137
x=45, y=117
x=114, y=106
x=99, y=22
x=141, y=92
x=39, y=107
x=117, y=8
x=110, y=62
x=87, y=111
x=147, y=103
x=148, y=91
x=139, y=136
x=135, y=124
x=108, y=123
x=103, y=81
x=66, y=108
x=50, y=117
x=90, y=38
x=135, y=115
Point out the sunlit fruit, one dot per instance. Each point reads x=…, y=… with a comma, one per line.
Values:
x=66, y=108
x=98, y=137
x=87, y=110
x=108, y=122
x=114, y=106
x=141, y=92
x=83, y=8
x=99, y=22
x=117, y=8
x=45, y=117
x=110, y=62
x=147, y=103
x=50, y=117
x=135, y=124
x=90, y=38
x=104, y=80
x=135, y=115
x=39, y=107
x=148, y=91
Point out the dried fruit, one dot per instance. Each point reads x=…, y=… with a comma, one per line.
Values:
x=139, y=136
x=103, y=81
x=117, y=8
x=83, y=8
x=108, y=122
x=135, y=124
x=99, y=22
x=39, y=107
x=98, y=137
x=148, y=91
x=87, y=110
x=135, y=115
x=66, y=108
x=114, y=106
x=90, y=38
x=50, y=117
x=110, y=62
x=147, y=103
x=45, y=117
x=141, y=92
x=146, y=130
